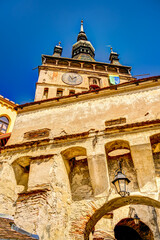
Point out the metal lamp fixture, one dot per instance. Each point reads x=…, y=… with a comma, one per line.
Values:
x=121, y=182
x=136, y=219
x=132, y=214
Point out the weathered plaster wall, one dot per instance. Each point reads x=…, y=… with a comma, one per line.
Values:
x=52, y=79
x=89, y=114
x=44, y=204
x=54, y=214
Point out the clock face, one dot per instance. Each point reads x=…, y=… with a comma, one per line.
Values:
x=72, y=78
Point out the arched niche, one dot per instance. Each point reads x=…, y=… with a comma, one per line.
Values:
x=155, y=144
x=114, y=204
x=21, y=168
x=75, y=159
x=127, y=229
x=119, y=150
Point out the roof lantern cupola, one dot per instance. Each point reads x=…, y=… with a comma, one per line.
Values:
x=83, y=49
x=114, y=57
x=58, y=50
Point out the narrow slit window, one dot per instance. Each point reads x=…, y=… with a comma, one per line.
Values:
x=59, y=92
x=71, y=92
x=45, y=93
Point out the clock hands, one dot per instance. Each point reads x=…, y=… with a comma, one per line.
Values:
x=72, y=77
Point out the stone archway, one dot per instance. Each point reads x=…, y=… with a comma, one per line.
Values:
x=115, y=204
x=127, y=228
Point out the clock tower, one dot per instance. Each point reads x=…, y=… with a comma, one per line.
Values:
x=60, y=76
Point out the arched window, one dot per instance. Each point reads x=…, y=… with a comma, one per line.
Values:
x=4, y=122
x=94, y=81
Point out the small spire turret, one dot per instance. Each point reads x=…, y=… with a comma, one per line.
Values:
x=114, y=57
x=58, y=50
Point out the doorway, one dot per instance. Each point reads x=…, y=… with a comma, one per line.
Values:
x=126, y=229
x=126, y=233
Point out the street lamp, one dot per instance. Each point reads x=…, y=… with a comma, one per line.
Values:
x=121, y=182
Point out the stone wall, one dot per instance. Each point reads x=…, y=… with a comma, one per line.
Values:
x=54, y=183
x=83, y=114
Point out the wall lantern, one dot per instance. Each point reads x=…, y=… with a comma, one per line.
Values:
x=136, y=219
x=121, y=182
x=132, y=212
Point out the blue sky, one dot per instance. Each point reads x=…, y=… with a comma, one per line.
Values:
x=30, y=28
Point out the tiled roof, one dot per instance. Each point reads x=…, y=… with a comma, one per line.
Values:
x=4, y=138
x=8, y=230
x=85, y=57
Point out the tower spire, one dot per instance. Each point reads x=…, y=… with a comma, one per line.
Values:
x=83, y=49
x=81, y=35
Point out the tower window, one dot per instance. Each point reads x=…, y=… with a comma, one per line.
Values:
x=45, y=93
x=94, y=81
x=4, y=122
x=59, y=92
x=71, y=92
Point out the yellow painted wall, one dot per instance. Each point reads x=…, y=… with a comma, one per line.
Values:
x=10, y=113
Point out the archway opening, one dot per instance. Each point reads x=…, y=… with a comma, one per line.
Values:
x=127, y=229
x=125, y=233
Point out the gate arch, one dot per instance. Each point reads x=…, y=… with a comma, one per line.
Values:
x=115, y=204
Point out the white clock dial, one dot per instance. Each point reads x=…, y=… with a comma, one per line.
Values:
x=72, y=78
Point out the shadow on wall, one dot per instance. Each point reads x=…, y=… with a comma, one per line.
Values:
x=155, y=144
x=21, y=169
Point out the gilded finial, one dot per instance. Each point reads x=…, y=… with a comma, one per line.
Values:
x=59, y=44
x=82, y=30
x=110, y=48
